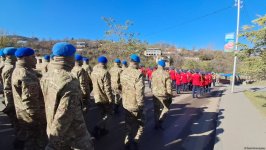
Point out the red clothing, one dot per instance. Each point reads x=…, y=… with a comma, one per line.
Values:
x=203, y=81
x=178, y=79
x=196, y=78
x=143, y=71
x=210, y=78
x=184, y=78
x=149, y=74
x=189, y=75
x=172, y=74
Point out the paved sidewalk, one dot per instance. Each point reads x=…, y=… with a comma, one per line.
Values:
x=240, y=125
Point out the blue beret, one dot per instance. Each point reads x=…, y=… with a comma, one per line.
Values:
x=46, y=57
x=161, y=63
x=2, y=53
x=124, y=62
x=24, y=51
x=102, y=59
x=135, y=58
x=9, y=51
x=85, y=59
x=117, y=60
x=78, y=57
x=63, y=49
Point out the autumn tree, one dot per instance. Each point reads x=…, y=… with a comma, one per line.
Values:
x=252, y=57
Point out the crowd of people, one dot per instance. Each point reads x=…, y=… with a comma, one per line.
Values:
x=48, y=106
x=199, y=82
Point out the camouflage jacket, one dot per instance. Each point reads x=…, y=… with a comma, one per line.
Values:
x=6, y=77
x=63, y=107
x=161, y=83
x=45, y=67
x=28, y=98
x=87, y=68
x=124, y=67
x=101, y=81
x=132, y=88
x=83, y=77
x=115, y=73
x=2, y=64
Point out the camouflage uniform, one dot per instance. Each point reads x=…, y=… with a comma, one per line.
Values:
x=66, y=128
x=162, y=94
x=2, y=64
x=83, y=77
x=7, y=87
x=45, y=67
x=87, y=68
x=29, y=104
x=101, y=81
x=132, y=82
x=124, y=67
x=115, y=73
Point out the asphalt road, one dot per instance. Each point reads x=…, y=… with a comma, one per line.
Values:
x=190, y=125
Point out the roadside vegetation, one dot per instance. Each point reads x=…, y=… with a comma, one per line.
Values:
x=258, y=99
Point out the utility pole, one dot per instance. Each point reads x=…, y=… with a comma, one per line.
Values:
x=236, y=46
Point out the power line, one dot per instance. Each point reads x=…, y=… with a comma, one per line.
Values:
x=191, y=20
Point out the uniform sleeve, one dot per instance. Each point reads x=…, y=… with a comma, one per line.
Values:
x=8, y=87
x=84, y=83
x=68, y=108
x=168, y=84
x=89, y=82
x=140, y=90
x=30, y=95
x=107, y=86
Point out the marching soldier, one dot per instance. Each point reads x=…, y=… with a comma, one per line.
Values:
x=2, y=64
x=115, y=73
x=66, y=128
x=132, y=82
x=162, y=93
x=124, y=64
x=88, y=69
x=102, y=92
x=7, y=71
x=86, y=65
x=83, y=78
x=28, y=100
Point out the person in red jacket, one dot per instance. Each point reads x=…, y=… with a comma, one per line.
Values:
x=172, y=76
x=209, y=82
x=202, y=83
x=149, y=75
x=189, y=75
x=178, y=82
x=184, y=79
x=196, y=79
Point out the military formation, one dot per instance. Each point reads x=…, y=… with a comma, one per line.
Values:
x=48, y=106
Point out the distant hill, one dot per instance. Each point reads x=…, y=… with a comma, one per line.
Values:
x=22, y=38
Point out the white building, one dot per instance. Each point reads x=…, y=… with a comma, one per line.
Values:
x=153, y=52
x=80, y=45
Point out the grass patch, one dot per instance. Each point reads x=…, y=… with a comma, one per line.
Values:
x=258, y=99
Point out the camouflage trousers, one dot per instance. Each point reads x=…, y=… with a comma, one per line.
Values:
x=32, y=135
x=134, y=121
x=161, y=107
x=80, y=143
x=106, y=112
